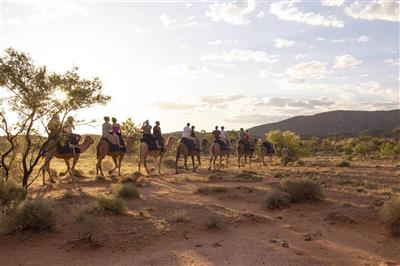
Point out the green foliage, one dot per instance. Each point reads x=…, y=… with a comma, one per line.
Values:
x=10, y=193
x=129, y=128
x=109, y=205
x=302, y=189
x=126, y=191
x=35, y=215
x=86, y=226
x=364, y=148
x=287, y=138
x=277, y=199
x=390, y=149
x=391, y=215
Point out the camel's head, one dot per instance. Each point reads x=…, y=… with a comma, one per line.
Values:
x=88, y=140
x=171, y=141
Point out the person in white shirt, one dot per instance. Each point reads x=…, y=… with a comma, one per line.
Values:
x=186, y=131
x=224, y=137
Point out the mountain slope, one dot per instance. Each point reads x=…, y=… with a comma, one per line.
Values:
x=337, y=123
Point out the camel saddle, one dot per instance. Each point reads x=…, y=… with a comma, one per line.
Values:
x=150, y=141
x=190, y=144
x=114, y=147
x=67, y=148
x=222, y=145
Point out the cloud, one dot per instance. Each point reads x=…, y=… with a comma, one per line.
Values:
x=304, y=71
x=241, y=55
x=286, y=10
x=306, y=104
x=255, y=118
x=332, y=2
x=173, y=23
x=363, y=39
x=283, y=43
x=186, y=71
x=217, y=42
x=373, y=87
x=230, y=12
x=215, y=100
x=392, y=61
x=260, y=14
x=300, y=56
x=173, y=106
x=379, y=9
x=345, y=61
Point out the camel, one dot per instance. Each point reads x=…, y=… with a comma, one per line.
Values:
x=215, y=151
x=241, y=152
x=103, y=150
x=263, y=153
x=156, y=154
x=184, y=150
x=51, y=151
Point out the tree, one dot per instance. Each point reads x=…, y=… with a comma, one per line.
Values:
x=132, y=132
x=33, y=95
x=286, y=138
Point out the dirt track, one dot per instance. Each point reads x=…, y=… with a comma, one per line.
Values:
x=342, y=229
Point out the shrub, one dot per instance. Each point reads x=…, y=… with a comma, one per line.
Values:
x=87, y=226
x=279, y=175
x=211, y=189
x=126, y=191
x=109, y=205
x=277, y=199
x=214, y=221
x=36, y=215
x=10, y=193
x=302, y=189
x=170, y=163
x=391, y=215
x=343, y=163
x=180, y=216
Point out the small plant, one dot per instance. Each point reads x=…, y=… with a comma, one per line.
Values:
x=300, y=163
x=68, y=194
x=170, y=163
x=35, y=215
x=126, y=191
x=213, y=221
x=211, y=189
x=391, y=215
x=343, y=163
x=109, y=205
x=277, y=199
x=302, y=189
x=10, y=193
x=279, y=175
x=180, y=216
x=87, y=226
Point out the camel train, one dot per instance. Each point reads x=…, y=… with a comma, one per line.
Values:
x=112, y=144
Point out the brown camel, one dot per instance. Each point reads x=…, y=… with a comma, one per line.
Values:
x=103, y=150
x=51, y=151
x=216, y=151
x=263, y=153
x=156, y=154
x=184, y=150
x=241, y=152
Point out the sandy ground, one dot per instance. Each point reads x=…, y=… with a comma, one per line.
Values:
x=342, y=229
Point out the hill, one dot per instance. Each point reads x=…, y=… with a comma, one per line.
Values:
x=347, y=123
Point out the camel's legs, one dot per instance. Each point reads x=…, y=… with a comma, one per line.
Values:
x=185, y=160
x=178, y=155
x=121, y=157
x=115, y=165
x=45, y=168
x=220, y=162
x=239, y=156
x=194, y=169
x=98, y=166
x=68, y=167
x=145, y=164
x=159, y=164
x=250, y=158
x=198, y=159
x=73, y=166
x=227, y=161
x=211, y=159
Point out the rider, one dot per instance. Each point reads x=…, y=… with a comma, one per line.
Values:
x=186, y=131
x=157, y=134
x=194, y=138
x=116, y=131
x=106, y=127
x=242, y=136
x=249, y=139
x=67, y=129
x=216, y=133
x=223, y=136
x=54, y=127
x=147, y=136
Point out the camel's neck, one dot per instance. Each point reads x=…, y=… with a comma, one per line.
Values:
x=84, y=146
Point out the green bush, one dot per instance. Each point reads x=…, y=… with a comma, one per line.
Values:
x=277, y=199
x=35, y=215
x=391, y=215
x=86, y=226
x=302, y=190
x=287, y=138
x=126, y=191
x=110, y=205
x=10, y=193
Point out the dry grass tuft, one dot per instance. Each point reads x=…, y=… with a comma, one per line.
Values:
x=214, y=221
x=10, y=193
x=169, y=162
x=86, y=226
x=277, y=199
x=343, y=163
x=391, y=215
x=109, y=205
x=302, y=189
x=211, y=189
x=125, y=191
x=180, y=216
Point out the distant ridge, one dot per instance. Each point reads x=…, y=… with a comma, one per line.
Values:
x=347, y=123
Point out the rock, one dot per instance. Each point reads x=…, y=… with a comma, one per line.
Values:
x=273, y=240
x=198, y=245
x=285, y=244
x=307, y=237
x=216, y=245
x=279, y=217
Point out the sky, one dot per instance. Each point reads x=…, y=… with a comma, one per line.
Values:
x=231, y=63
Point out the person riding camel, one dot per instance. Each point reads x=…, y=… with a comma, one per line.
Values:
x=217, y=138
x=67, y=130
x=242, y=136
x=107, y=131
x=157, y=134
x=194, y=138
x=147, y=136
x=116, y=131
x=249, y=139
x=285, y=153
x=54, y=127
x=224, y=137
x=186, y=138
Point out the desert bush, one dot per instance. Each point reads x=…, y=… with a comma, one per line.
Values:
x=10, y=193
x=127, y=191
x=211, y=189
x=364, y=148
x=109, y=205
x=300, y=163
x=287, y=138
x=35, y=215
x=180, y=216
x=279, y=175
x=302, y=189
x=214, y=221
x=343, y=163
x=169, y=162
x=86, y=226
x=276, y=199
x=391, y=215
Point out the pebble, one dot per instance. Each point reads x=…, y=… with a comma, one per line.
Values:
x=198, y=245
x=216, y=244
x=307, y=237
x=285, y=244
x=273, y=240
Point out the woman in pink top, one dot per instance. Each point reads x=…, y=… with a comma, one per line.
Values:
x=116, y=130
